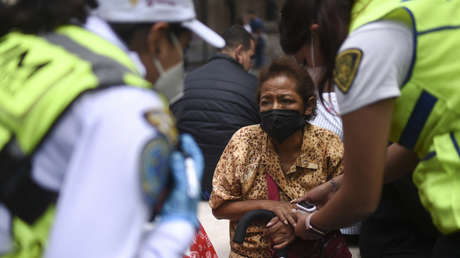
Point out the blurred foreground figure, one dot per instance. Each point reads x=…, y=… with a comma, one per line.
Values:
x=89, y=152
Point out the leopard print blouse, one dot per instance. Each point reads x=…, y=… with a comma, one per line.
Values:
x=240, y=175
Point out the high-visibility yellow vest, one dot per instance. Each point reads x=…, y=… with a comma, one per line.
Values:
x=40, y=77
x=426, y=118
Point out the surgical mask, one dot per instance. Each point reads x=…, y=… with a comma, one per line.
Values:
x=281, y=123
x=316, y=72
x=171, y=82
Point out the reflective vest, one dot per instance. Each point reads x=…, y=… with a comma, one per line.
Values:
x=426, y=118
x=40, y=77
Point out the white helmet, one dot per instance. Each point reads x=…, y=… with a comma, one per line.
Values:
x=141, y=11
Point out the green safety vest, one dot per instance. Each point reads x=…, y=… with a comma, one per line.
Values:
x=40, y=77
x=426, y=118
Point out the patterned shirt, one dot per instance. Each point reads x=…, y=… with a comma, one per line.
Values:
x=240, y=175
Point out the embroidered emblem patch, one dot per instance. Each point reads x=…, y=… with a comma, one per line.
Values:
x=154, y=168
x=164, y=122
x=346, y=68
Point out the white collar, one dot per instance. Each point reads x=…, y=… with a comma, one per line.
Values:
x=102, y=28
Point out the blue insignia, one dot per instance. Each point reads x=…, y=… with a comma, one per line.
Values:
x=155, y=168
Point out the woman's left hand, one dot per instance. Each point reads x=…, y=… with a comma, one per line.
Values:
x=280, y=234
x=283, y=210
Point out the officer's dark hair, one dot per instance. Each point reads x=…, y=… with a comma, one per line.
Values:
x=236, y=35
x=333, y=18
x=38, y=16
x=288, y=67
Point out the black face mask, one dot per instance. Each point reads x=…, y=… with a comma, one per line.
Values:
x=280, y=123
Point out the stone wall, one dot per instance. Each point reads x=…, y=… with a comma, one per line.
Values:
x=217, y=15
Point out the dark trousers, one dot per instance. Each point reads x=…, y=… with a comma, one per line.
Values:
x=447, y=246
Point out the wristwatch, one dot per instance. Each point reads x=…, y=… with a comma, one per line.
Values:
x=312, y=228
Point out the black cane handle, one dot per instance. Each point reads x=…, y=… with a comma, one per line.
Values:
x=247, y=219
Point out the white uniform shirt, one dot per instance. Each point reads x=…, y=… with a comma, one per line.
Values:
x=92, y=159
x=387, y=48
x=327, y=115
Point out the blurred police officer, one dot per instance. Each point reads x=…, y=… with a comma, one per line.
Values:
x=87, y=149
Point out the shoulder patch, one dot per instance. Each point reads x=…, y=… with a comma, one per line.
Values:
x=346, y=67
x=164, y=122
x=154, y=168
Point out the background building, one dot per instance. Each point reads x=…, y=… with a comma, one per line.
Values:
x=221, y=14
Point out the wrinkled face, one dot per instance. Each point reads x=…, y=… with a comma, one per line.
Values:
x=244, y=57
x=280, y=93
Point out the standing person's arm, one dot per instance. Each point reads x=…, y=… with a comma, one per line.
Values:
x=399, y=162
x=365, y=129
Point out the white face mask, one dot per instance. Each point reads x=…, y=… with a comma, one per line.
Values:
x=316, y=72
x=171, y=82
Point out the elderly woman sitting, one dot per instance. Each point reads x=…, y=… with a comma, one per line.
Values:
x=284, y=150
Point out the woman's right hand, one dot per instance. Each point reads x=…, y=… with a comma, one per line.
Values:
x=280, y=234
x=283, y=210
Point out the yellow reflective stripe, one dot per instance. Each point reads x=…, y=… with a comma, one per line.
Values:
x=93, y=42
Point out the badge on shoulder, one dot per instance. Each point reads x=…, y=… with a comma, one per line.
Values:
x=154, y=169
x=164, y=122
x=346, y=68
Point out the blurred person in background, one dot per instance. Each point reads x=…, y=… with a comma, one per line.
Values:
x=88, y=151
x=244, y=21
x=401, y=89
x=219, y=98
x=285, y=152
x=257, y=29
